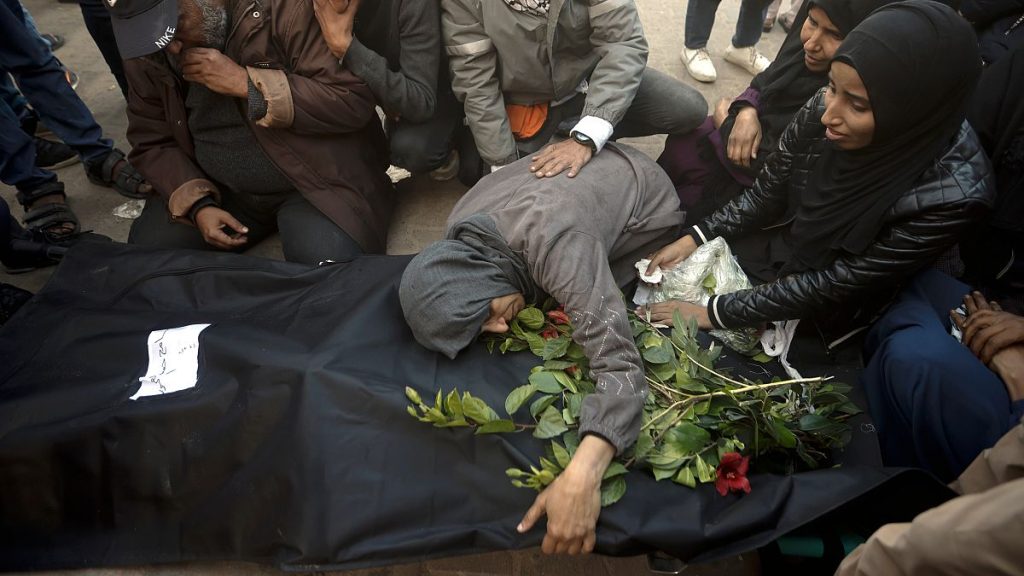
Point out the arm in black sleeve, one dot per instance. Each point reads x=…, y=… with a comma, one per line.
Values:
x=900, y=251
x=411, y=92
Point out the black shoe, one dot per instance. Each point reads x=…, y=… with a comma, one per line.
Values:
x=50, y=154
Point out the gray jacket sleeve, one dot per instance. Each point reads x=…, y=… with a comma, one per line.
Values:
x=474, y=65
x=574, y=269
x=618, y=38
x=411, y=92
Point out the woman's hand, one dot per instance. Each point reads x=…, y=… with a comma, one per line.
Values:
x=336, y=18
x=744, y=138
x=672, y=255
x=572, y=502
x=664, y=312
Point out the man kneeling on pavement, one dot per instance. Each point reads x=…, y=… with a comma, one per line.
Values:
x=244, y=122
x=513, y=237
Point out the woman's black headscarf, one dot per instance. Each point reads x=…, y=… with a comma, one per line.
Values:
x=787, y=84
x=919, y=62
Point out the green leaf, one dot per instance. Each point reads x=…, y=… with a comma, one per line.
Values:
x=565, y=381
x=644, y=445
x=762, y=357
x=545, y=382
x=555, y=348
x=710, y=283
x=574, y=402
x=436, y=416
x=454, y=404
x=567, y=417
x=815, y=422
x=477, y=410
x=685, y=382
x=550, y=424
x=496, y=427
x=701, y=408
x=413, y=395
x=540, y=404
x=561, y=454
x=685, y=439
x=614, y=469
x=784, y=436
x=517, y=397
x=664, y=473
x=550, y=466
x=685, y=477
x=651, y=340
x=666, y=461
x=705, y=473
x=612, y=491
x=572, y=441
x=536, y=343
x=531, y=318
x=662, y=372
x=557, y=365
x=659, y=355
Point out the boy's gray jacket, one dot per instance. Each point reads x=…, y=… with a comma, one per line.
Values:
x=579, y=238
x=499, y=56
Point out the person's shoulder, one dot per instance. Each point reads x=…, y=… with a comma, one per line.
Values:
x=961, y=175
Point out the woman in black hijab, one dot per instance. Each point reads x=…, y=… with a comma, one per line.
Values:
x=876, y=177
x=723, y=156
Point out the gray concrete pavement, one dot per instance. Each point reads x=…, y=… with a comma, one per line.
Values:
x=419, y=219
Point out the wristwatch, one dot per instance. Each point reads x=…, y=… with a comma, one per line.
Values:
x=584, y=139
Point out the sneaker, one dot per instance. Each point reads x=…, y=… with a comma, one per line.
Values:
x=51, y=154
x=747, y=58
x=698, y=63
x=448, y=170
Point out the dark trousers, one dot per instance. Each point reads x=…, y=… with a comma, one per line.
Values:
x=97, y=21
x=42, y=81
x=422, y=147
x=700, y=19
x=936, y=406
x=307, y=235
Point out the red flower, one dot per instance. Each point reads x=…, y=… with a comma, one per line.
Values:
x=732, y=473
x=549, y=333
x=558, y=317
x=572, y=370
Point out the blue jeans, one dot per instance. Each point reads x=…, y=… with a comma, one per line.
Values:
x=27, y=57
x=700, y=19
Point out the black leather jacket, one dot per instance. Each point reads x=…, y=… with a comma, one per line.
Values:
x=926, y=221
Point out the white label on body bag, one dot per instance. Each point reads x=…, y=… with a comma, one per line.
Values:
x=173, y=361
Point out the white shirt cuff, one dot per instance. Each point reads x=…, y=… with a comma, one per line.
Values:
x=597, y=129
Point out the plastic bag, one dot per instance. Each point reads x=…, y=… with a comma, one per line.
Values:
x=710, y=270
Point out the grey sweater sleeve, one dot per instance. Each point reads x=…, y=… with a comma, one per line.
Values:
x=411, y=92
x=574, y=269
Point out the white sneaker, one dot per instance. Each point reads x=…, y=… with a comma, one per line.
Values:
x=747, y=58
x=698, y=63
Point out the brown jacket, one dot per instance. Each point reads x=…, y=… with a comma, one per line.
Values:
x=321, y=129
x=979, y=533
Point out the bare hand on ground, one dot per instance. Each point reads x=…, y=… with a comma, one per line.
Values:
x=555, y=158
x=572, y=502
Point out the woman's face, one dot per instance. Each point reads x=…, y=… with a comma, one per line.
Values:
x=848, y=119
x=821, y=39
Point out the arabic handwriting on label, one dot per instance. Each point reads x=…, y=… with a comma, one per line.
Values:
x=173, y=361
